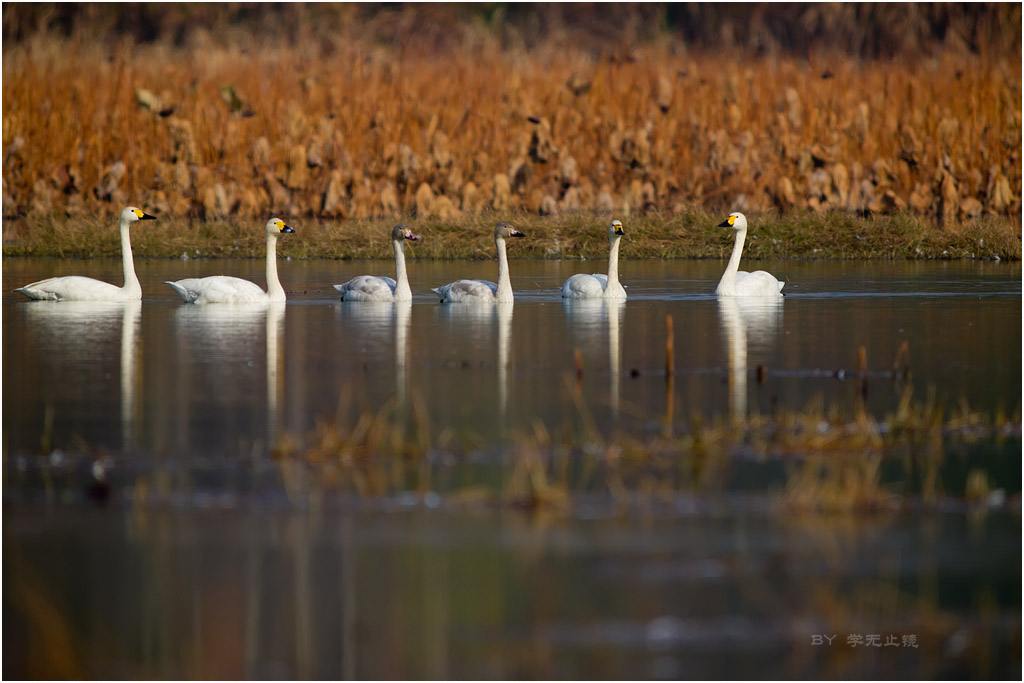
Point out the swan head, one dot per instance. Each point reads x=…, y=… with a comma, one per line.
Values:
x=615, y=229
x=132, y=214
x=276, y=226
x=504, y=230
x=402, y=232
x=736, y=220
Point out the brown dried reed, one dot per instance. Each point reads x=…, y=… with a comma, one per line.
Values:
x=358, y=130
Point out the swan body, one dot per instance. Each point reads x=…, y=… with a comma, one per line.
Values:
x=736, y=282
x=598, y=285
x=78, y=288
x=484, y=291
x=381, y=288
x=223, y=289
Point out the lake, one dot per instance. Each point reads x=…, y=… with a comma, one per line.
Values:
x=211, y=558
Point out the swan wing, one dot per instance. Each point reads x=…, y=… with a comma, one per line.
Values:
x=368, y=288
x=218, y=289
x=593, y=286
x=758, y=283
x=467, y=290
x=74, y=288
x=584, y=286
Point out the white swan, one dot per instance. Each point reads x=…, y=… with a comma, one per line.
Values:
x=223, y=289
x=379, y=288
x=736, y=282
x=78, y=288
x=598, y=285
x=484, y=291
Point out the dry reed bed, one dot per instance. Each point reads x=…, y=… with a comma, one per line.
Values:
x=363, y=132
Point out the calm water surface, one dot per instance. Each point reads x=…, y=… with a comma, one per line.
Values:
x=169, y=380
x=230, y=575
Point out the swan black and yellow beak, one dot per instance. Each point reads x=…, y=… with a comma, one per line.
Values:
x=143, y=216
x=728, y=222
x=619, y=231
x=287, y=228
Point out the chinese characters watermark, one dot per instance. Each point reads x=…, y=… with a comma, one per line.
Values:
x=866, y=640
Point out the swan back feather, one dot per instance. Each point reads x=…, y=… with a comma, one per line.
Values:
x=585, y=286
x=368, y=288
x=218, y=289
x=73, y=288
x=468, y=290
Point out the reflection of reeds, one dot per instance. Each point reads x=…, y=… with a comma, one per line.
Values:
x=356, y=130
x=833, y=461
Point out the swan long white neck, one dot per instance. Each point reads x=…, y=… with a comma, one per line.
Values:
x=132, y=288
x=613, y=261
x=727, y=285
x=275, y=292
x=402, y=290
x=504, y=294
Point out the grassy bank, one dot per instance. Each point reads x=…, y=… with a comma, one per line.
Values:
x=692, y=234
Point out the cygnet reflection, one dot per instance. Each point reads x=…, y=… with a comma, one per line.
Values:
x=746, y=321
x=504, y=312
x=475, y=324
x=379, y=324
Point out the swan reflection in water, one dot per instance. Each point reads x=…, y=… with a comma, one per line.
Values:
x=227, y=332
x=90, y=325
x=378, y=323
x=600, y=321
x=473, y=322
x=746, y=321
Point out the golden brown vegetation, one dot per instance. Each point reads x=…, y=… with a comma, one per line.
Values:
x=833, y=459
x=220, y=125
